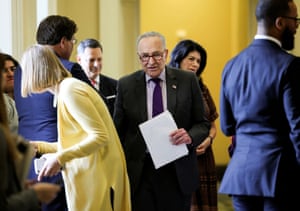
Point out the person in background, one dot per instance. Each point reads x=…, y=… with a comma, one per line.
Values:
x=37, y=115
x=88, y=150
x=168, y=187
x=260, y=107
x=190, y=56
x=89, y=56
x=10, y=65
x=13, y=196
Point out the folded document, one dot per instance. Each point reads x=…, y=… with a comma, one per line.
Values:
x=156, y=133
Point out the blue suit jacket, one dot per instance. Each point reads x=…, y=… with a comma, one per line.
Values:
x=185, y=104
x=260, y=106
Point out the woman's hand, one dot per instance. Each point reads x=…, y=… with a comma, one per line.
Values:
x=51, y=166
x=45, y=192
x=203, y=146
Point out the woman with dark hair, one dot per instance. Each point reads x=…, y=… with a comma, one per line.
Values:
x=10, y=65
x=13, y=196
x=190, y=56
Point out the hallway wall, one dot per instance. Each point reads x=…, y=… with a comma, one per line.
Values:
x=222, y=27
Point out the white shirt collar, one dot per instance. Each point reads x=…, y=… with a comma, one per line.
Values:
x=97, y=79
x=266, y=37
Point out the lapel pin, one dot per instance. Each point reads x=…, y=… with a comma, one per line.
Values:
x=174, y=86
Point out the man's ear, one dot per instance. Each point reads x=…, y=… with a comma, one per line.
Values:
x=166, y=53
x=280, y=23
x=63, y=42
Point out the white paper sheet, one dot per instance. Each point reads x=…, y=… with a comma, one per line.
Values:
x=156, y=133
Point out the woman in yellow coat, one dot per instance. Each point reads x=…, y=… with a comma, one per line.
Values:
x=88, y=150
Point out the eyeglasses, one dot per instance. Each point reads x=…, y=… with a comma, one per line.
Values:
x=11, y=69
x=293, y=18
x=74, y=40
x=157, y=56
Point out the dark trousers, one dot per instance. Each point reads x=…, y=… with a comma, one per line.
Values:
x=159, y=190
x=258, y=203
x=59, y=203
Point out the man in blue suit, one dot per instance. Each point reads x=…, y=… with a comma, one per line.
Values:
x=260, y=107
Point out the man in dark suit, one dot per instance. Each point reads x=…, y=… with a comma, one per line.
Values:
x=168, y=187
x=260, y=107
x=89, y=56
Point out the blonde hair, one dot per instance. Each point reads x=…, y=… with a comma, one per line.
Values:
x=41, y=69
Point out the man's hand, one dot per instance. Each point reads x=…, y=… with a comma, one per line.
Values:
x=180, y=136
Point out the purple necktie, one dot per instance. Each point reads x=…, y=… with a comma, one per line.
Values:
x=157, y=102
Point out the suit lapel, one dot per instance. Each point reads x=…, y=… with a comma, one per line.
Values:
x=171, y=83
x=101, y=84
x=141, y=95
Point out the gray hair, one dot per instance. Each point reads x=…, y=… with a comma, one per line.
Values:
x=151, y=34
x=88, y=43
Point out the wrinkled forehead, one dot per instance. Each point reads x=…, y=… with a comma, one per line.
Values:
x=150, y=44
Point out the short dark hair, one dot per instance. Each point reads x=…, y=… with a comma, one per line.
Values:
x=53, y=28
x=88, y=43
x=182, y=49
x=268, y=10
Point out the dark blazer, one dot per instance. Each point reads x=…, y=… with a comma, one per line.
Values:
x=108, y=87
x=185, y=104
x=260, y=106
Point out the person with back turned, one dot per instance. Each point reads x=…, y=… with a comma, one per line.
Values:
x=260, y=107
